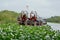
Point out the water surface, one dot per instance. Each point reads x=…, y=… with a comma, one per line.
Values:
x=54, y=26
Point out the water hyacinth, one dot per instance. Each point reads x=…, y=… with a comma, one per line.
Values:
x=20, y=32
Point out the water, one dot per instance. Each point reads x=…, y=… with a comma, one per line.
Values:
x=54, y=26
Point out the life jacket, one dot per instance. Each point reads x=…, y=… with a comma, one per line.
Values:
x=33, y=18
x=24, y=18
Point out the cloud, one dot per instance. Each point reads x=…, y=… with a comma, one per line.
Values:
x=44, y=8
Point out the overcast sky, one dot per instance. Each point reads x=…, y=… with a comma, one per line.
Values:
x=44, y=8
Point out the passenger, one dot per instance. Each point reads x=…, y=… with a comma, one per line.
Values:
x=24, y=17
x=33, y=17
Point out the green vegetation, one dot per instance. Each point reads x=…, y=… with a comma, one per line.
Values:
x=14, y=31
x=55, y=19
x=10, y=30
x=8, y=16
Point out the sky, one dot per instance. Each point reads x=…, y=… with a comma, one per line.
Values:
x=44, y=8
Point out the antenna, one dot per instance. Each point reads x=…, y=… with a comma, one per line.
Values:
x=27, y=10
x=27, y=7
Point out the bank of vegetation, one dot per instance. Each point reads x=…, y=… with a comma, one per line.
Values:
x=8, y=16
x=55, y=19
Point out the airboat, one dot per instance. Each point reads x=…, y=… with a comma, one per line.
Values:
x=33, y=19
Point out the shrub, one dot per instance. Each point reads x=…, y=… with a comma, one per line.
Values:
x=20, y=32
